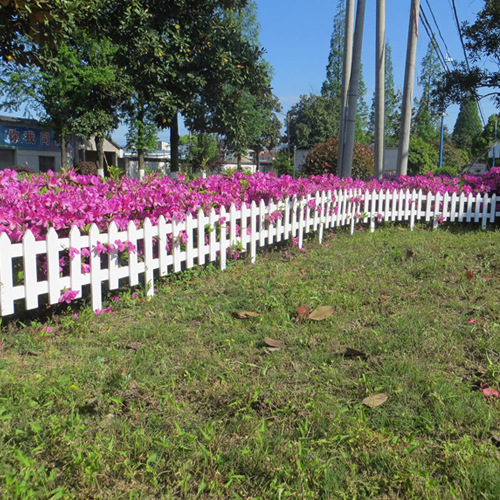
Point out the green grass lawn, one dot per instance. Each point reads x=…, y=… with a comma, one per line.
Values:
x=177, y=398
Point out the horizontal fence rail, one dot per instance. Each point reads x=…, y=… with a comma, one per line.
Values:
x=77, y=265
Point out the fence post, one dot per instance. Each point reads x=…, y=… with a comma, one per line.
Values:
x=75, y=262
x=6, y=276
x=148, y=257
x=253, y=232
x=30, y=271
x=95, y=269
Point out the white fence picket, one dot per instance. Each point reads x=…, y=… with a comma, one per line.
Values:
x=76, y=243
x=30, y=271
x=133, y=264
x=149, y=263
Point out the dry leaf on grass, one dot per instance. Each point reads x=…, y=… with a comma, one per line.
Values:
x=302, y=314
x=349, y=352
x=274, y=343
x=134, y=346
x=245, y=314
x=469, y=274
x=321, y=313
x=375, y=400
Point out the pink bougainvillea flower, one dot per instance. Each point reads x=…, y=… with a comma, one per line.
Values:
x=68, y=296
x=72, y=252
x=99, y=248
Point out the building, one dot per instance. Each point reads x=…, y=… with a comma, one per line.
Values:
x=25, y=142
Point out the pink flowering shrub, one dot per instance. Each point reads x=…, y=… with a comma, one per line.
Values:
x=63, y=200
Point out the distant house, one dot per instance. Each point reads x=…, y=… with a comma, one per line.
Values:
x=25, y=142
x=156, y=161
x=247, y=163
x=266, y=161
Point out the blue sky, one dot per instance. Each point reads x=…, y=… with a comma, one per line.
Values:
x=296, y=38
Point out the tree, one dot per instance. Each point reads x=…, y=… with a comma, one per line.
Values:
x=261, y=127
x=78, y=95
x=283, y=163
x=322, y=159
x=334, y=69
x=392, y=102
x=484, y=141
x=332, y=87
x=312, y=120
x=483, y=44
x=422, y=156
x=468, y=125
x=427, y=117
x=28, y=25
x=204, y=152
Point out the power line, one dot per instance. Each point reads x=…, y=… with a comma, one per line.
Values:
x=433, y=40
x=457, y=22
x=454, y=8
x=437, y=26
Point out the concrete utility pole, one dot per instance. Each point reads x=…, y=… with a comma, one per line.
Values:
x=352, y=98
x=411, y=54
x=346, y=76
x=380, y=90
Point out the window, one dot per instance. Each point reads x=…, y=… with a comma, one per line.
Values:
x=46, y=163
x=6, y=158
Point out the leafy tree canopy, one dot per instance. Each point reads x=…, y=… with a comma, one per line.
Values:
x=314, y=119
x=28, y=25
x=322, y=159
x=483, y=44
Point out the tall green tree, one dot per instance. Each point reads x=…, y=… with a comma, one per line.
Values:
x=185, y=57
x=261, y=127
x=484, y=141
x=392, y=104
x=314, y=119
x=78, y=95
x=468, y=126
x=332, y=86
x=26, y=26
x=427, y=117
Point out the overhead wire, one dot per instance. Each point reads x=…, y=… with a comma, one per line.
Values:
x=439, y=30
x=457, y=22
x=433, y=40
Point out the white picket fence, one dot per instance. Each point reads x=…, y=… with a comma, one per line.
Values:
x=23, y=286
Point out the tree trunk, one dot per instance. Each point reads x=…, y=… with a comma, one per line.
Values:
x=142, y=169
x=63, y=153
x=257, y=159
x=238, y=162
x=174, y=146
x=100, y=155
